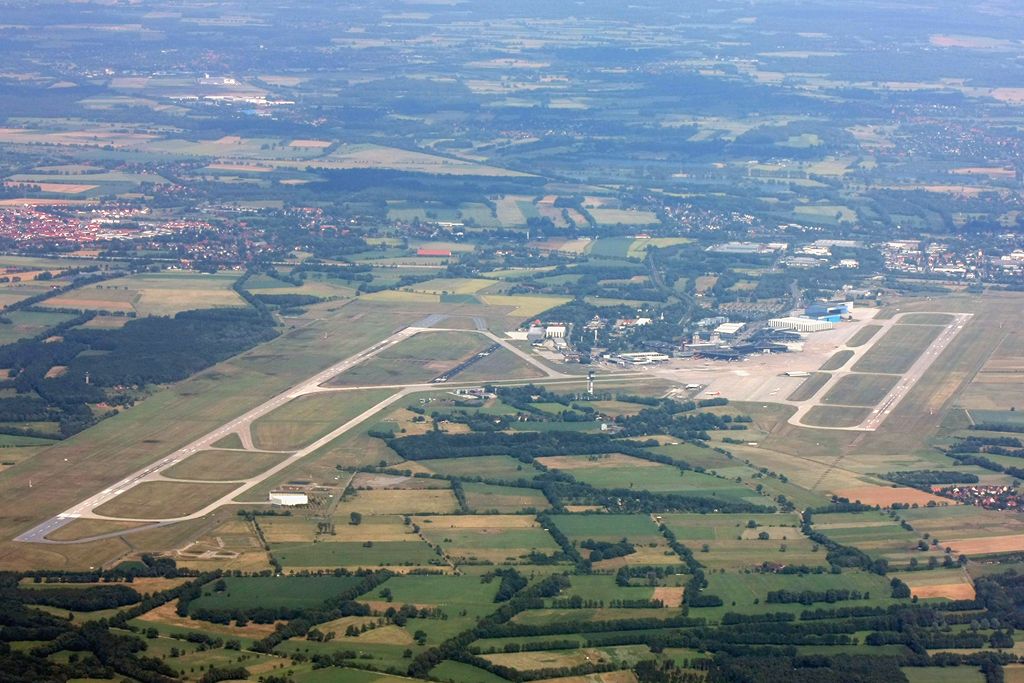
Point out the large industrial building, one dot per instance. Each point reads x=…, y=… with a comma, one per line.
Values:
x=800, y=324
x=729, y=330
x=288, y=497
x=832, y=312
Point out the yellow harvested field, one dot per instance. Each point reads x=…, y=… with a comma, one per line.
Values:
x=310, y=144
x=953, y=591
x=1010, y=95
x=453, y=286
x=986, y=546
x=398, y=501
x=525, y=306
x=247, y=168
x=56, y=371
x=167, y=614
x=404, y=297
x=369, y=156
x=541, y=659
x=58, y=188
x=971, y=42
x=607, y=677
x=477, y=522
x=993, y=171
x=887, y=495
x=35, y=201
x=672, y=596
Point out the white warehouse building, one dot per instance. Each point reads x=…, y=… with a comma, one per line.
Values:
x=800, y=324
x=289, y=498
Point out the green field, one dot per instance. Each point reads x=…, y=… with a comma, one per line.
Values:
x=487, y=466
x=657, y=478
x=462, y=599
x=160, y=499
x=1010, y=417
x=863, y=335
x=837, y=360
x=303, y=420
x=749, y=592
x=485, y=498
x=943, y=674
x=898, y=349
x=418, y=359
x=354, y=554
x=926, y=319
x=727, y=541
x=810, y=386
x=273, y=591
x=223, y=465
x=29, y=324
x=164, y=293
x=500, y=364
x=617, y=247
x=499, y=543
x=860, y=390
x=836, y=416
x=601, y=527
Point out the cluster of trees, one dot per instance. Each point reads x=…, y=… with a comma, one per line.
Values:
x=925, y=479
x=839, y=555
x=144, y=351
x=809, y=597
x=511, y=583
x=670, y=417
x=88, y=599
x=340, y=604
x=693, y=596
x=996, y=445
x=986, y=463
x=457, y=647
x=604, y=550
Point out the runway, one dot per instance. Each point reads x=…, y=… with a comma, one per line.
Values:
x=242, y=426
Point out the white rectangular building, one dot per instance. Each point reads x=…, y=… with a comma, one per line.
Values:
x=800, y=324
x=289, y=498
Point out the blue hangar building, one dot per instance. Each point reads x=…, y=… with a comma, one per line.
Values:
x=832, y=313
